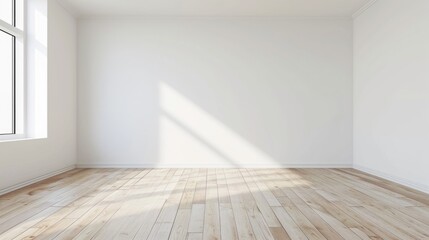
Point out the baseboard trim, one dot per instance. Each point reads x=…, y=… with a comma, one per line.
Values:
x=395, y=179
x=402, y=181
x=214, y=166
x=35, y=180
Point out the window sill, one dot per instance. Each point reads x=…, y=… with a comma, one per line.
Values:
x=17, y=138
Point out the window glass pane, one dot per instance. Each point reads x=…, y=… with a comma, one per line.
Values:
x=6, y=11
x=19, y=14
x=6, y=83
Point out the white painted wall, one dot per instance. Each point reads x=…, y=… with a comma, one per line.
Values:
x=391, y=91
x=21, y=161
x=214, y=92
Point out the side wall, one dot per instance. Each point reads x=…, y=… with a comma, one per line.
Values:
x=391, y=91
x=23, y=161
x=205, y=92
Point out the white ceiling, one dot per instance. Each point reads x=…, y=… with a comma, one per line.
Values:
x=286, y=8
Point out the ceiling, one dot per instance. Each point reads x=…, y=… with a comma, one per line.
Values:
x=284, y=8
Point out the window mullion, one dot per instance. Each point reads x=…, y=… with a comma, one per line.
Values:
x=7, y=28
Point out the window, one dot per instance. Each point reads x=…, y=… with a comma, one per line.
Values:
x=7, y=82
x=11, y=39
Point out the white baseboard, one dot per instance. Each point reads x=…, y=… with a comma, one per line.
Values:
x=214, y=166
x=390, y=177
x=35, y=180
x=402, y=181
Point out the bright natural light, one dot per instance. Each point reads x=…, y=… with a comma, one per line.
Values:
x=214, y=119
x=11, y=69
x=190, y=134
x=6, y=11
x=6, y=83
x=37, y=78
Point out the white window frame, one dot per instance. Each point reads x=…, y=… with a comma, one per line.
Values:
x=19, y=59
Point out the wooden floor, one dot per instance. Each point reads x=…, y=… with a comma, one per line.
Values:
x=214, y=204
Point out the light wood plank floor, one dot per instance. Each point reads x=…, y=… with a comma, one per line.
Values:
x=214, y=204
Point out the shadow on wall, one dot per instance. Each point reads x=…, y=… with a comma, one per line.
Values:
x=213, y=94
x=173, y=131
x=191, y=135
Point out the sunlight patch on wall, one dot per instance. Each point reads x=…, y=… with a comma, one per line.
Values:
x=188, y=134
x=177, y=145
x=41, y=30
x=41, y=94
x=37, y=64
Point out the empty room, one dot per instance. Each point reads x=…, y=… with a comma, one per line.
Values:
x=214, y=119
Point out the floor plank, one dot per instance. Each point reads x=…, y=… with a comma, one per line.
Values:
x=214, y=204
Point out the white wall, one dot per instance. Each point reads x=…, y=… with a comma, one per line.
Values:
x=21, y=161
x=391, y=91
x=214, y=92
